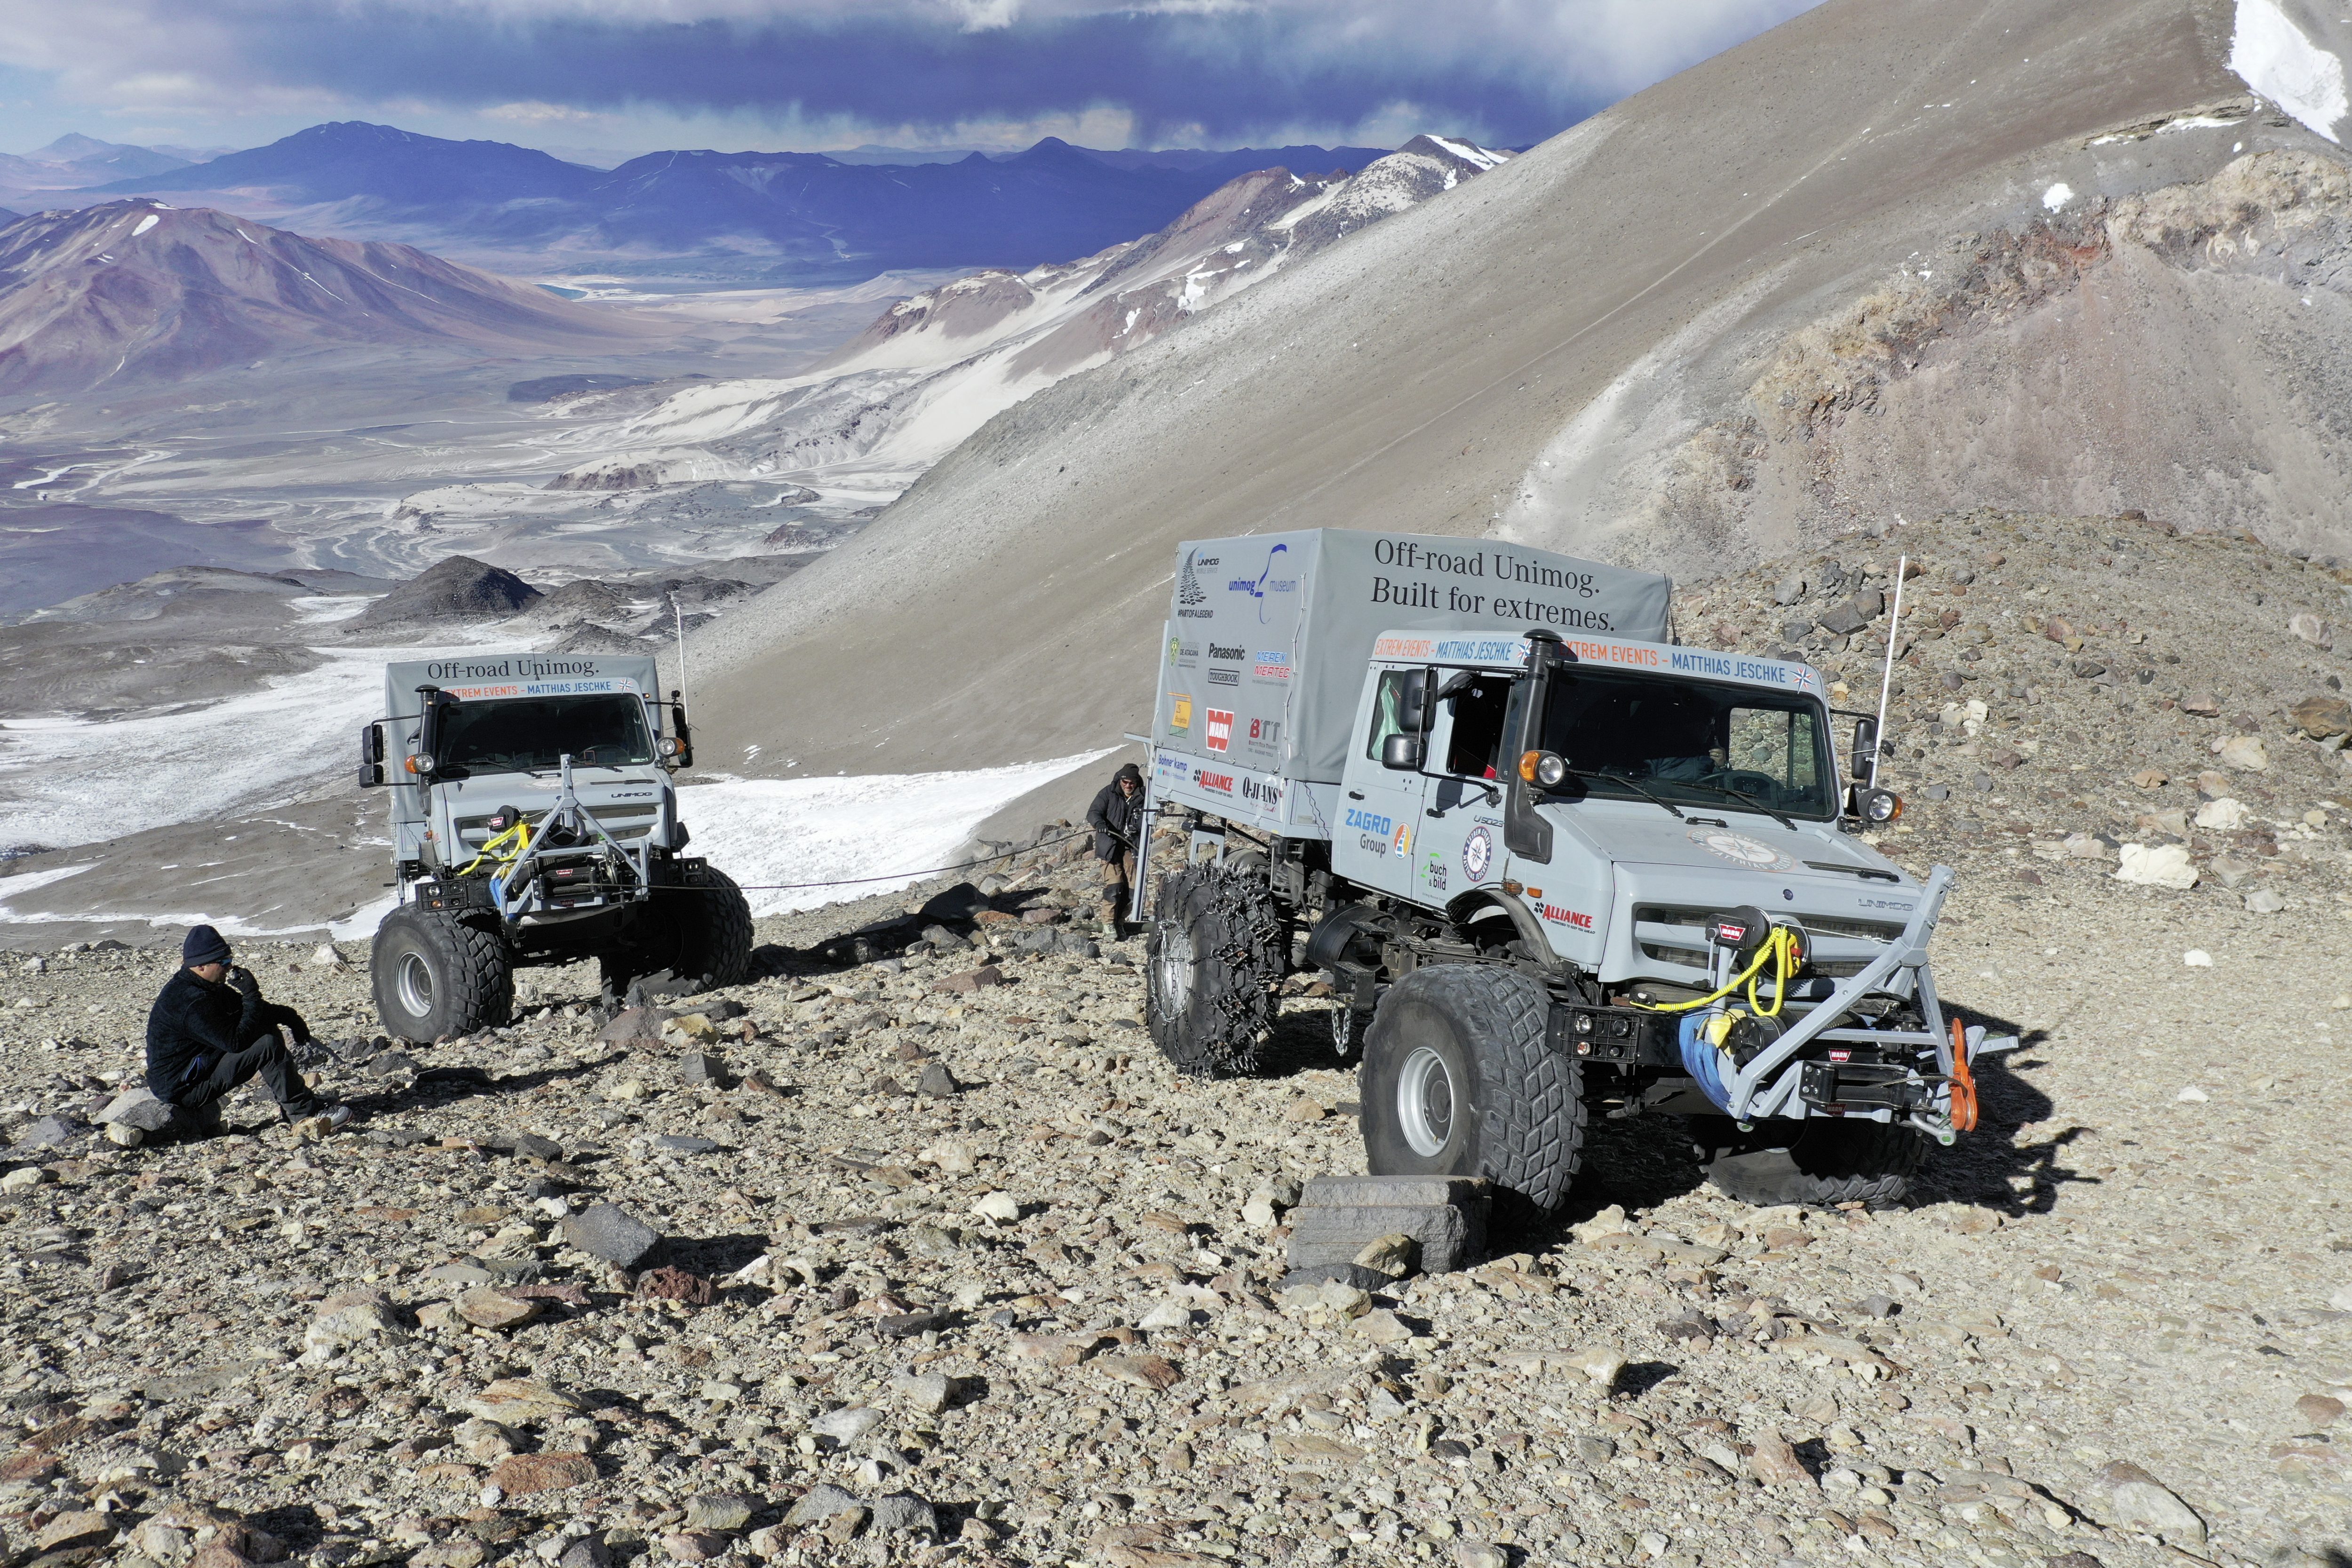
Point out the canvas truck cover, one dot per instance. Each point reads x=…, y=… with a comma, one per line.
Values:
x=488, y=676
x=1270, y=634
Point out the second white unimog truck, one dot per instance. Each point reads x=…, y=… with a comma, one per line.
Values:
x=534, y=822
x=1548, y=859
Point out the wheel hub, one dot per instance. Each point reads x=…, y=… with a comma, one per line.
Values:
x=1425, y=1101
x=414, y=984
x=1174, y=967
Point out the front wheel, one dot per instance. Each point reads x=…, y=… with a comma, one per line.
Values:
x=699, y=931
x=435, y=976
x=1458, y=1082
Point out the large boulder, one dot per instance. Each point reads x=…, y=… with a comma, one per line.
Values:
x=457, y=589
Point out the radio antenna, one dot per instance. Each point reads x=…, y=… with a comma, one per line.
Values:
x=1885, y=680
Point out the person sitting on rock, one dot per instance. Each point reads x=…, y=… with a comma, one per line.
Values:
x=1116, y=817
x=210, y=1031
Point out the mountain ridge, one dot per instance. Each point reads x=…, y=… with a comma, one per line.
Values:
x=799, y=210
x=136, y=290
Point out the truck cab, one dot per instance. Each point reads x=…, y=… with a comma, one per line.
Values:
x=1690, y=781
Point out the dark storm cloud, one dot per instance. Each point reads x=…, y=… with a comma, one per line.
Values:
x=1519, y=69
x=1225, y=73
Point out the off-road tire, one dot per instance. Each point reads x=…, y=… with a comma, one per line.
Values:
x=437, y=975
x=1837, y=1162
x=1213, y=958
x=1457, y=1081
x=700, y=933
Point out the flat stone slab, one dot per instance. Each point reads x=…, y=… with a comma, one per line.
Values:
x=1335, y=1192
x=1452, y=1235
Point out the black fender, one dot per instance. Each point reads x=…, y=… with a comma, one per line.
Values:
x=1466, y=908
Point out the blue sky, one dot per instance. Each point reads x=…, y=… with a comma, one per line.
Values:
x=634, y=75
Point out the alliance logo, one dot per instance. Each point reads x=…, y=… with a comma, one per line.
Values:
x=1570, y=918
x=1222, y=782
x=1265, y=582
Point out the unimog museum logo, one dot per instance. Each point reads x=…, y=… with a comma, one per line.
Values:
x=1265, y=582
x=1190, y=595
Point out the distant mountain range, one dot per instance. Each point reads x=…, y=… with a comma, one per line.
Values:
x=76, y=163
x=804, y=216
x=134, y=290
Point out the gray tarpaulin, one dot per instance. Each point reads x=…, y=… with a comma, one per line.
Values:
x=1270, y=634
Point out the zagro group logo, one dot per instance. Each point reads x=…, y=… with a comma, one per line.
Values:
x=1265, y=582
x=1221, y=730
x=1370, y=821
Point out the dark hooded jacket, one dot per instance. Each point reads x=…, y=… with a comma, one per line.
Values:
x=1118, y=819
x=194, y=1018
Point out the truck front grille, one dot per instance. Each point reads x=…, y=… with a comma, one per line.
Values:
x=1687, y=943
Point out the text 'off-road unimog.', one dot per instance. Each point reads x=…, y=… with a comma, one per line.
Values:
x=1549, y=861
x=534, y=822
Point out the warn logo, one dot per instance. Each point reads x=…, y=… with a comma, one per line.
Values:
x=1570, y=918
x=1221, y=730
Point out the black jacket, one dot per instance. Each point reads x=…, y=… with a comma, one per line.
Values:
x=1118, y=819
x=194, y=1018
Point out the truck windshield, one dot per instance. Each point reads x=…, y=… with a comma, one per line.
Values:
x=532, y=734
x=1693, y=743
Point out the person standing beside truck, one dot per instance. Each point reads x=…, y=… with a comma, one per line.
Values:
x=210, y=1032
x=1116, y=817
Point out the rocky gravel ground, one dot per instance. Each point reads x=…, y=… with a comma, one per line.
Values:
x=914, y=1250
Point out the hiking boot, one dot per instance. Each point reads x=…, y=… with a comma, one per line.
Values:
x=325, y=1123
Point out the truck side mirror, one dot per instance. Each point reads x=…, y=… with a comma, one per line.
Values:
x=1413, y=703
x=678, y=751
x=1402, y=754
x=372, y=755
x=1865, y=770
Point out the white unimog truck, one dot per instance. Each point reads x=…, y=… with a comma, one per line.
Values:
x=1550, y=860
x=534, y=822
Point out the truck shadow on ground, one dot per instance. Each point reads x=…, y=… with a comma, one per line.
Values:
x=1645, y=1161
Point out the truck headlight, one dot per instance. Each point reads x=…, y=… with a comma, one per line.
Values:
x=421, y=763
x=1880, y=806
x=668, y=746
x=1543, y=769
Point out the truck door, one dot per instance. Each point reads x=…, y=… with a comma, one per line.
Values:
x=1462, y=817
x=1373, y=842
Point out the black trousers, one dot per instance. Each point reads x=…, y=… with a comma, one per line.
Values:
x=265, y=1058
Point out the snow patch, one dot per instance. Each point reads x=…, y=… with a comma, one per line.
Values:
x=2276, y=58
x=150, y=221
x=73, y=781
x=2057, y=196
x=893, y=826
